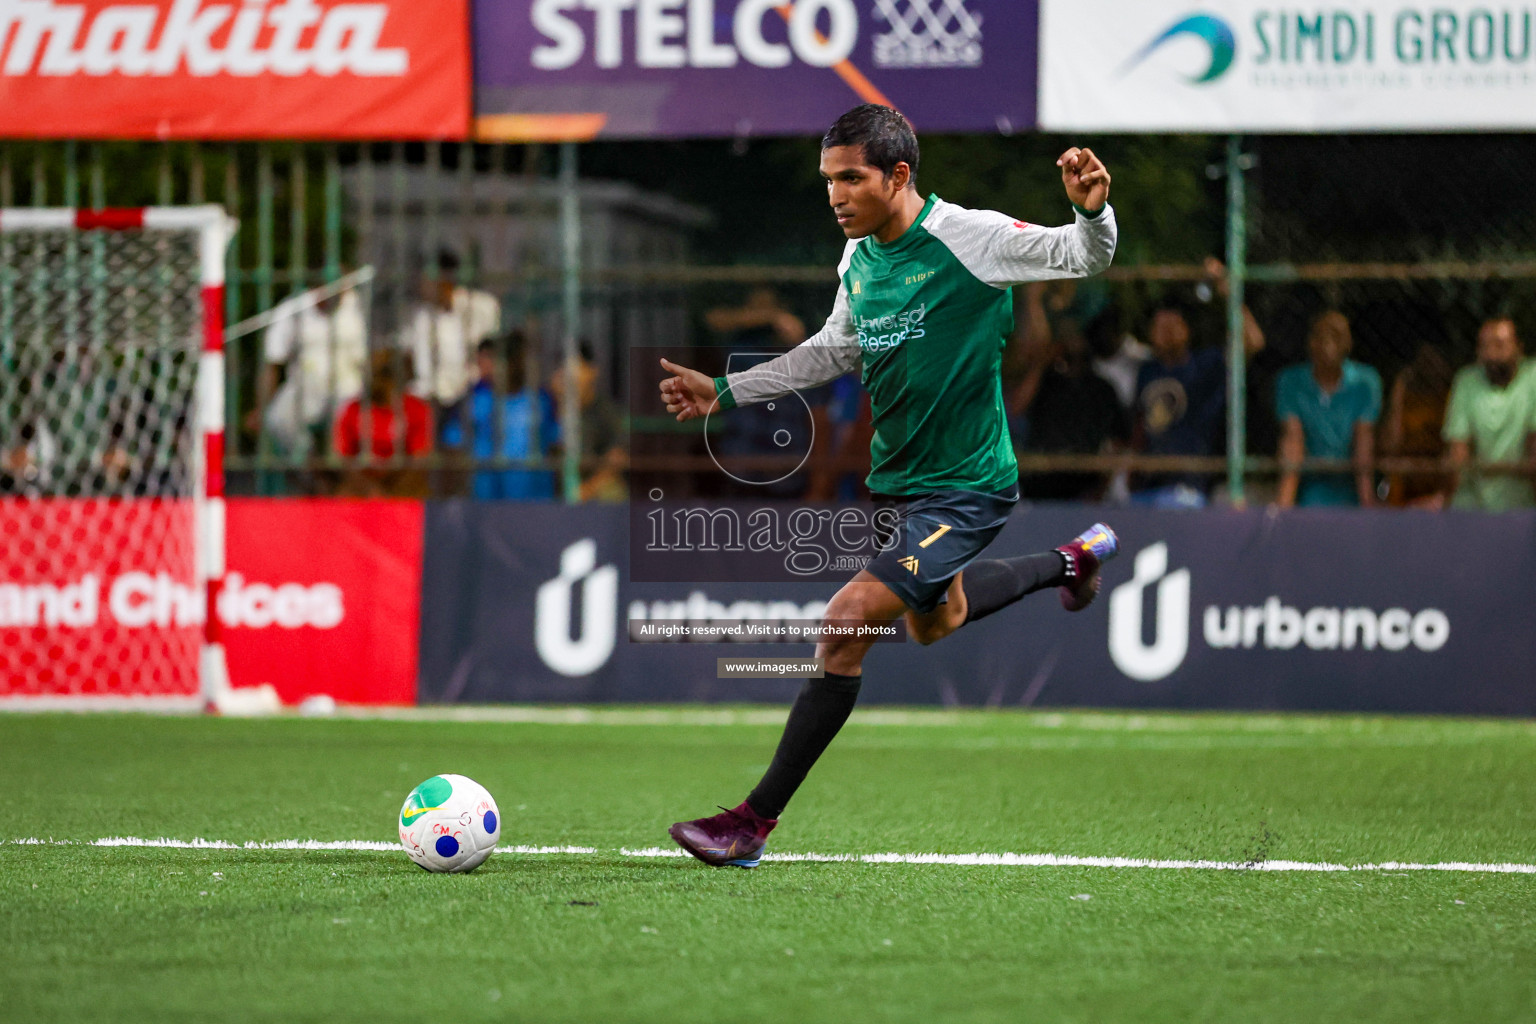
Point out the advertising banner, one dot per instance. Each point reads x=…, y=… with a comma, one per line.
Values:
x=579, y=69
x=97, y=598
x=1309, y=610
x=1244, y=65
x=323, y=597
x=204, y=69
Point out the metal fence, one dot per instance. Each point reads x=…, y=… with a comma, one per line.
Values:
x=1416, y=241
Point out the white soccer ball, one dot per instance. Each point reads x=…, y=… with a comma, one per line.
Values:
x=449, y=823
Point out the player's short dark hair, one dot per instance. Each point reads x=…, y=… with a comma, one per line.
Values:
x=887, y=137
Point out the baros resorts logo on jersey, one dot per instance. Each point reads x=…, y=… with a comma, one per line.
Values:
x=1271, y=625
x=1211, y=30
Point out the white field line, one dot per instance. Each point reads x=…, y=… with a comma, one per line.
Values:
x=1016, y=860
x=1088, y=720
x=1068, y=721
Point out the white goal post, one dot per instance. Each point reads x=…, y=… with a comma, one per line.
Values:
x=112, y=457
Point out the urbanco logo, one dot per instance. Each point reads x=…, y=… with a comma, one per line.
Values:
x=583, y=655
x=1269, y=625
x=1130, y=653
x=1213, y=31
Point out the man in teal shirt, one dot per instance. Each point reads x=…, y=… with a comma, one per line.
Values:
x=1327, y=409
x=1491, y=417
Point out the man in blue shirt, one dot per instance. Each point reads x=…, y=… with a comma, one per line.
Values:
x=1328, y=409
x=1181, y=403
x=520, y=424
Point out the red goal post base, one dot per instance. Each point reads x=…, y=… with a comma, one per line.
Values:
x=215, y=230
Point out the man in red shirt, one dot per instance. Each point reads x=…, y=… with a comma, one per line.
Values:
x=398, y=425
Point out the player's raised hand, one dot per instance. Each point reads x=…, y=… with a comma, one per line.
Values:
x=1085, y=177
x=689, y=394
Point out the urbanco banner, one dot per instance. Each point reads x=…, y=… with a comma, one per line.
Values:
x=205, y=69
x=577, y=69
x=1306, y=610
x=1242, y=65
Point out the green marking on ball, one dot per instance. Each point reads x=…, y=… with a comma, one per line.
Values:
x=428, y=796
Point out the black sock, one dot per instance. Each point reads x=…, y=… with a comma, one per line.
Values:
x=818, y=713
x=996, y=583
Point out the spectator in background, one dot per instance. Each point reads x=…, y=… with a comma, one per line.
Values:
x=509, y=421
x=1072, y=410
x=318, y=349
x=1119, y=359
x=28, y=460
x=1411, y=429
x=395, y=425
x=762, y=320
x=1491, y=416
x=1181, y=401
x=443, y=334
x=1327, y=408
x=756, y=331
x=604, y=437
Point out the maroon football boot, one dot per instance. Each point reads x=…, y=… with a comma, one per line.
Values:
x=733, y=838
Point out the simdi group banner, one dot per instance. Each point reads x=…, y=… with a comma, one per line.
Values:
x=575, y=69
x=1309, y=610
x=234, y=69
x=1243, y=65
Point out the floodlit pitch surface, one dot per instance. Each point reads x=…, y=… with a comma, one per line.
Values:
x=595, y=933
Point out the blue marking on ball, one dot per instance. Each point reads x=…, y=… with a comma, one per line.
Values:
x=447, y=846
x=490, y=822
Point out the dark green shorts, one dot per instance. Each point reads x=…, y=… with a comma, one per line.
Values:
x=934, y=537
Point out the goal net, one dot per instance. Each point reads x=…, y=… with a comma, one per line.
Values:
x=111, y=448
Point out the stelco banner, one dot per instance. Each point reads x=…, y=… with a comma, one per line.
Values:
x=1218, y=609
x=575, y=69
x=255, y=69
x=1241, y=65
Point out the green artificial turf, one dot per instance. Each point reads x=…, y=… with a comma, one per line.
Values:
x=124, y=934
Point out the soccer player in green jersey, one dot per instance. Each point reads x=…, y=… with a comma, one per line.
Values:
x=924, y=311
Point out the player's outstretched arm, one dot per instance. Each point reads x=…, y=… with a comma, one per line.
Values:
x=1005, y=252
x=688, y=393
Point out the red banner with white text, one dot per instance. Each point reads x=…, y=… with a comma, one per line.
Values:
x=97, y=598
x=206, y=69
x=324, y=597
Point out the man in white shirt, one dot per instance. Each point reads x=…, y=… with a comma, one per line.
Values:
x=324, y=350
x=443, y=333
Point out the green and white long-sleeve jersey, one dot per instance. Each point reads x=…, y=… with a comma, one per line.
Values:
x=925, y=318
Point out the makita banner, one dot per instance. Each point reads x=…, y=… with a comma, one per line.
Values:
x=97, y=598
x=1348, y=610
x=1245, y=65
x=203, y=69
x=576, y=69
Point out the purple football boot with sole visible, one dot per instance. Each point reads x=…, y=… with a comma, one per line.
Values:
x=734, y=838
x=1085, y=555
